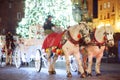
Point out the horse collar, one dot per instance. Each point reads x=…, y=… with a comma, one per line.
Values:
x=71, y=39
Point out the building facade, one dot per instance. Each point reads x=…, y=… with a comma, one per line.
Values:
x=11, y=12
x=103, y=12
x=109, y=13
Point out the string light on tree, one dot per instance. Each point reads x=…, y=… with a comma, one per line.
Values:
x=36, y=12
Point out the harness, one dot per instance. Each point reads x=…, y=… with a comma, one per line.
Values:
x=67, y=36
x=94, y=42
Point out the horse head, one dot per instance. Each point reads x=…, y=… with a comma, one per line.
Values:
x=104, y=35
x=85, y=32
x=108, y=36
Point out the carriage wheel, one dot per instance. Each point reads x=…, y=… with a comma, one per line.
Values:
x=1, y=59
x=17, y=58
x=38, y=60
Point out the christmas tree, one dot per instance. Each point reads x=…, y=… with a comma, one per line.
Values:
x=36, y=11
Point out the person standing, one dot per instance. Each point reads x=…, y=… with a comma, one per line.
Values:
x=9, y=46
x=48, y=25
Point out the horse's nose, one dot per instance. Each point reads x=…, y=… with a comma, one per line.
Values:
x=112, y=44
x=87, y=40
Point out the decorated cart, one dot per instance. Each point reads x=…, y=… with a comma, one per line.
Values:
x=27, y=48
x=30, y=49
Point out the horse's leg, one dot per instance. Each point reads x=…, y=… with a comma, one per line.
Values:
x=80, y=67
x=85, y=62
x=49, y=61
x=53, y=64
x=10, y=58
x=67, y=65
x=7, y=56
x=49, y=66
x=97, y=65
x=89, y=70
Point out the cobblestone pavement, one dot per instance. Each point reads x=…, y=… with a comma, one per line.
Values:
x=109, y=71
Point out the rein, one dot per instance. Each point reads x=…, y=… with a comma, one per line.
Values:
x=95, y=43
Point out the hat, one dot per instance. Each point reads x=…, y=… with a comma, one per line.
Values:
x=50, y=16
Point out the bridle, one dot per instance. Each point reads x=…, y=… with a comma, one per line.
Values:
x=106, y=39
x=83, y=32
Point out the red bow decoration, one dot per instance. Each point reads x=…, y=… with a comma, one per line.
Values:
x=79, y=36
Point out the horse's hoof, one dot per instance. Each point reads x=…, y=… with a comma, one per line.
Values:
x=7, y=64
x=89, y=75
x=98, y=74
x=53, y=72
x=11, y=65
x=83, y=75
x=50, y=72
x=86, y=72
x=78, y=72
x=69, y=75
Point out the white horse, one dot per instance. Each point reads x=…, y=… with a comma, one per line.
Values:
x=69, y=43
x=103, y=37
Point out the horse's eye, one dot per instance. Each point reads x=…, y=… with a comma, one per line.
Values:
x=80, y=31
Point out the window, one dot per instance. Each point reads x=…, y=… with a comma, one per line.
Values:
x=108, y=15
x=18, y=15
x=0, y=19
x=100, y=17
x=113, y=9
x=104, y=17
x=10, y=5
x=100, y=7
x=105, y=5
x=108, y=5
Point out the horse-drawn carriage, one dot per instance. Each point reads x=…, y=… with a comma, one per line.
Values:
x=65, y=43
x=26, y=50
x=52, y=46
